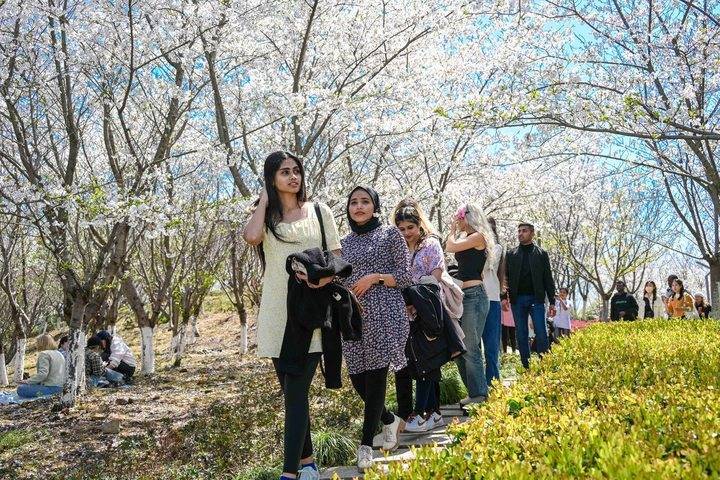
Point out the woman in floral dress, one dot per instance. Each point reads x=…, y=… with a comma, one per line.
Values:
x=427, y=259
x=380, y=260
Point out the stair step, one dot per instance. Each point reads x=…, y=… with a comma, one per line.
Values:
x=437, y=436
x=379, y=458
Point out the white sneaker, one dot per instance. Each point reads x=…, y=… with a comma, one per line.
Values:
x=364, y=457
x=430, y=424
x=391, y=433
x=416, y=424
x=308, y=473
x=437, y=419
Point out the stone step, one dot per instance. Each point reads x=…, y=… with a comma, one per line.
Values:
x=437, y=437
x=379, y=458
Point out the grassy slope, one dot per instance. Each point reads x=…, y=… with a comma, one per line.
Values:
x=219, y=415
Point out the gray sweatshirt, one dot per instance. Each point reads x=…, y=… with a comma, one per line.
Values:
x=50, y=369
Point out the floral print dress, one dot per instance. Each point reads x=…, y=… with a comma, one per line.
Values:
x=386, y=324
x=427, y=257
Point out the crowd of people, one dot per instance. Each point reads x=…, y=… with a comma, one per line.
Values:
x=384, y=300
x=109, y=362
x=675, y=302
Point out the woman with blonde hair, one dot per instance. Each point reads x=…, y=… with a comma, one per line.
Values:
x=472, y=241
x=50, y=375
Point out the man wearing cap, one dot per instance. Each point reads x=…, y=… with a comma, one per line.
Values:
x=529, y=285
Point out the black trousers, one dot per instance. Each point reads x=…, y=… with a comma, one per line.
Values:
x=508, y=338
x=404, y=394
x=296, y=437
x=371, y=385
x=127, y=370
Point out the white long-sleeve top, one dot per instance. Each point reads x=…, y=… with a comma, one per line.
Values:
x=491, y=282
x=120, y=352
x=563, y=314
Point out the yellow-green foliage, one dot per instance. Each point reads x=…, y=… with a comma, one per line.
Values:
x=620, y=401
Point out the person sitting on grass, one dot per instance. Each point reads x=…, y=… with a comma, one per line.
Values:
x=50, y=375
x=95, y=371
x=680, y=304
x=64, y=347
x=623, y=306
x=703, y=308
x=117, y=354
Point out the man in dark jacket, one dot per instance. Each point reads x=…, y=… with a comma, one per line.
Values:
x=529, y=284
x=623, y=306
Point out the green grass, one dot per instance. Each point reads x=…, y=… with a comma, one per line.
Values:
x=333, y=448
x=14, y=439
x=217, y=302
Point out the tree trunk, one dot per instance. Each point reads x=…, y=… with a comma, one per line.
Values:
x=146, y=324
x=147, y=357
x=194, y=332
x=178, y=345
x=75, y=382
x=714, y=299
x=19, y=365
x=3, y=369
x=605, y=312
x=242, y=311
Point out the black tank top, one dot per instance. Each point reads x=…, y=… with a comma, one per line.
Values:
x=471, y=263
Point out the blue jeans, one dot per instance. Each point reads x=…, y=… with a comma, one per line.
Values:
x=424, y=396
x=31, y=390
x=115, y=377
x=471, y=365
x=523, y=306
x=491, y=342
x=110, y=379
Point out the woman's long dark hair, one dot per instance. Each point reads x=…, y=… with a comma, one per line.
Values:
x=681, y=293
x=654, y=289
x=410, y=214
x=274, y=211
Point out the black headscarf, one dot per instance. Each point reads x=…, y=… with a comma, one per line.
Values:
x=374, y=222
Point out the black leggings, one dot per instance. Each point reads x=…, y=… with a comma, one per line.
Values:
x=508, y=338
x=295, y=389
x=371, y=386
x=404, y=393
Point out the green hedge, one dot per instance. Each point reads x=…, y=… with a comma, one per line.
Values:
x=621, y=400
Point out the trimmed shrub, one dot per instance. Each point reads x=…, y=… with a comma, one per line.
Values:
x=452, y=389
x=333, y=449
x=617, y=400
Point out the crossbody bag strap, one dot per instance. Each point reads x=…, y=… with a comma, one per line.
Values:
x=318, y=213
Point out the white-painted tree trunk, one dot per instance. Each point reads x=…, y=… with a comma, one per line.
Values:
x=147, y=357
x=75, y=382
x=3, y=372
x=194, y=332
x=19, y=364
x=177, y=346
x=243, y=338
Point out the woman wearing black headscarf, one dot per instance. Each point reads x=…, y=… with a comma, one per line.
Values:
x=380, y=260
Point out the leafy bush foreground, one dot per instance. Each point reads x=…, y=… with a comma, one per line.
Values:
x=622, y=400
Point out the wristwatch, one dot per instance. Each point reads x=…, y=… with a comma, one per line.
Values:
x=381, y=280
